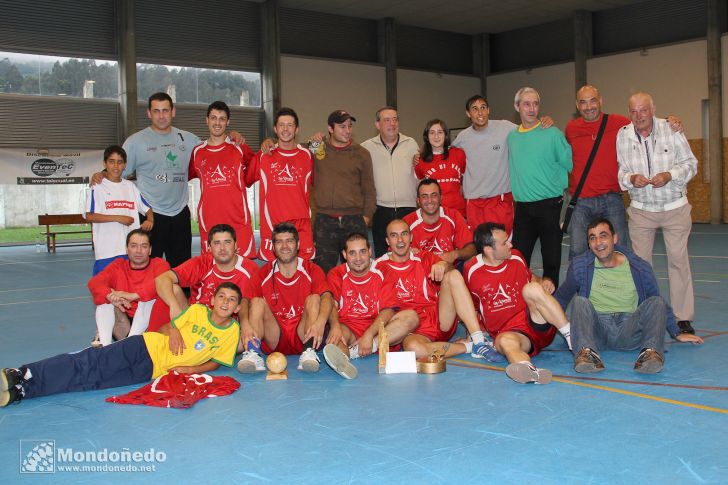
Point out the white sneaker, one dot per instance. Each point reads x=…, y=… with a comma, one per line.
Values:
x=354, y=351
x=250, y=363
x=527, y=373
x=339, y=362
x=309, y=361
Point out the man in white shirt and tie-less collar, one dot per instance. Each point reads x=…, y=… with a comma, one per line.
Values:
x=655, y=166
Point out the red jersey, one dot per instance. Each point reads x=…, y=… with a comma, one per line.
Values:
x=359, y=299
x=286, y=296
x=202, y=276
x=602, y=177
x=497, y=291
x=450, y=232
x=223, y=197
x=120, y=276
x=285, y=178
x=175, y=390
x=449, y=174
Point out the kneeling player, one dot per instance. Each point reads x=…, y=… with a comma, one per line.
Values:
x=416, y=280
x=197, y=341
x=361, y=306
x=516, y=307
x=290, y=306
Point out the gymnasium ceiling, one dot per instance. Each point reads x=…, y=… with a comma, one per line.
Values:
x=462, y=16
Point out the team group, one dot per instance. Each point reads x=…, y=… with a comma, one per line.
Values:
x=454, y=227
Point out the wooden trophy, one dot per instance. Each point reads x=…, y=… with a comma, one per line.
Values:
x=277, y=364
x=383, y=344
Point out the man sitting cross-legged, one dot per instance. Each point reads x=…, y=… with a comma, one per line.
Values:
x=616, y=304
x=125, y=289
x=515, y=307
x=430, y=286
x=290, y=306
x=361, y=306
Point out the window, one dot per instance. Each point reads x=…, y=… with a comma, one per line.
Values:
x=199, y=86
x=58, y=76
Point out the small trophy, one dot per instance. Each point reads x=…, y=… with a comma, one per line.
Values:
x=277, y=364
x=383, y=345
x=434, y=364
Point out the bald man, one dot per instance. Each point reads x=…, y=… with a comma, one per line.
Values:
x=655, y=166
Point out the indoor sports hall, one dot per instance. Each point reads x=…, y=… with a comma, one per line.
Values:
x=470, y=424
x=76, y=77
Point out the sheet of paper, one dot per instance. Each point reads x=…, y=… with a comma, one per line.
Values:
x=401, y=363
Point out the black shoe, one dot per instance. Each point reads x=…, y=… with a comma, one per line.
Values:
x=9, y=378
x=686, y=327
x=14, y=394
x=649, y=362
x=588, y=362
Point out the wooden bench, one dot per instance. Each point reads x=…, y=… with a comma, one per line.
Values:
x=49, y=220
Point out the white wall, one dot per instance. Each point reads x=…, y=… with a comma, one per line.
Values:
x=555, y=84
x=315, y=88
x=676, y=76
x=422, y=96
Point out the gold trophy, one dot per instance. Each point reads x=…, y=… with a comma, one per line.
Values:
x=277, y=364
x=434, y=364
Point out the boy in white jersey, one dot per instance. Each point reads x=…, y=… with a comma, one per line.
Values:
x=113, y=206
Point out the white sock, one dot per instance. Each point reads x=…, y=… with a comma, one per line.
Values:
x=477, y=337
x=468, y=347
x=28, y=375
x=566, y=332
x=105, y=322
x=374, y=346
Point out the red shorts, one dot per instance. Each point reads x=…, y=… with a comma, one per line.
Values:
x=493, y=209
x=288, y=341
x=159, y=316
x=429, y=325
x=357, y=327
x=306, y=248
x=539, y=334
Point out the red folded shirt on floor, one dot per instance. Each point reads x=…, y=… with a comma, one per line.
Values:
x=175, y=390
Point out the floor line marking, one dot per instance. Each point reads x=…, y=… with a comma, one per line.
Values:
x=41, y=288
x=8, y=263
x=463, y=363
x=85, y=297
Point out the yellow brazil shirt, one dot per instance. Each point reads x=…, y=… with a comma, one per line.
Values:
x=203, y=341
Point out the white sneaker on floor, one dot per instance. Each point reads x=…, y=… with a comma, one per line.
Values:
x=339, y=362
x=309, y=361
x=250, y=363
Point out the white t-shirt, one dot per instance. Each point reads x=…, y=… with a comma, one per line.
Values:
x=119, y=199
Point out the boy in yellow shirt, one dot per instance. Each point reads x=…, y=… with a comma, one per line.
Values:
x=197, y=341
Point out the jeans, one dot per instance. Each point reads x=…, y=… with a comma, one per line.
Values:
x=610, y=206
x=645, y=328
x=382, y=217
x=330, y=232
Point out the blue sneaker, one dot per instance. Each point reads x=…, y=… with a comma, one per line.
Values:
x=487, y=351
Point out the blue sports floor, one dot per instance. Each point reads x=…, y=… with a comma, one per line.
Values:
x=468, y=425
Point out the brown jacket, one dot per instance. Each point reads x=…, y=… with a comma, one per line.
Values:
x=343, y=181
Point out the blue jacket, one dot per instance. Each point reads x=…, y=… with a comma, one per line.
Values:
x=581, y=274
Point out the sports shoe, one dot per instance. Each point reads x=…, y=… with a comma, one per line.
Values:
x=14, y=394
x=686, y=326
x=587, y=362
x=9, y=378
x=96, y=342
x=649, y=362
x=339, y=362
x=486, y=351
x=250, y=363
x=527, y=373
x=309, y=361
x=354, y=350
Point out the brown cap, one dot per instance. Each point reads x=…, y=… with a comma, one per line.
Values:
x=339, y=116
